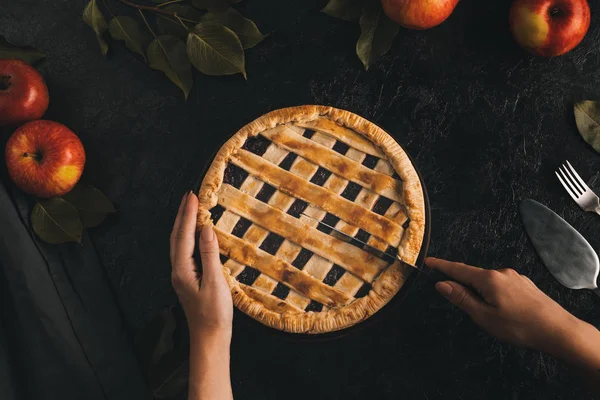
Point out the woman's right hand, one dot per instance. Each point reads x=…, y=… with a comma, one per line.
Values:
x=511, y=307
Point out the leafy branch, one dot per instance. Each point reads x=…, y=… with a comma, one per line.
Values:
x=377, y=31
x=208, y=35
x=62, y=220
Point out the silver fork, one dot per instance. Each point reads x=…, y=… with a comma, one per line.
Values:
x=577, y=188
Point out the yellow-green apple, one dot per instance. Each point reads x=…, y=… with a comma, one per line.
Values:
x=44, y=158
x=418, y=14
x=549, y=27
x=23, y=93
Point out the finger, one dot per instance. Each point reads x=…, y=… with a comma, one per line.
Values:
x=185, y=235
x=212, y=270
x=461, y=297
x=529, y=281
x=177, y=224
x=464, y=273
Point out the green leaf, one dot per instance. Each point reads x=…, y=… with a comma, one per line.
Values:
x=91, y=204
x=56, y=221
x=171, y=26
x=94, y=18
x=26, y=54
x=587, y=117
x=245, y=29
x=215, y=50
x=128, y=30
x=168, y=54
x=349, y=10
x=213, y=5
x=376, y=34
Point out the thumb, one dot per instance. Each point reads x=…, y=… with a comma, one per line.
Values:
x=460, y=296
x=209, y=254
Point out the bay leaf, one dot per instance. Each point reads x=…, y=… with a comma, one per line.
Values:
x=94, y=18
x=376, y=33
x=213, y=5
x=587, y=118
x=171, y=26
x=56, y=221
x=26, y=54
x=215, y=49
x=168, y=54
x=349, y=10
x=91, y=204
x=245, y=29
x=128, y=30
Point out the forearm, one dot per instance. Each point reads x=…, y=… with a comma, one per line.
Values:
x=581, y=349
x=209, y=367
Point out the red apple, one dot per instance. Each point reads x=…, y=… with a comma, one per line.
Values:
x=44, y=158
x=23, y=93
x=549, y=27
x=418, y=14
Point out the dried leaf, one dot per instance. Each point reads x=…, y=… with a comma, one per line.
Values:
x=91, y=204
x=56, y=221
x=213, y=5
x=27, y=54
x=215, y=50
x=349, y=10
x=168, y=54
x=128, y=30
x=587, y=117
x=164, y=363
x=171, y=26
x=377, y=33
x=156, y=339
x=245, y=29
x=94, y=18
x=169, y=378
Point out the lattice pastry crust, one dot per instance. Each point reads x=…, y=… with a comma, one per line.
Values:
x=330, y=164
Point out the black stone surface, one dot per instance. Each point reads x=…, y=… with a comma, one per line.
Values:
x=486, y=123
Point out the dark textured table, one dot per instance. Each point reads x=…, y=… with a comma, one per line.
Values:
x=485, y=122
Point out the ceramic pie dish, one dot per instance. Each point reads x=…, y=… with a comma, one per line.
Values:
x=284, y=269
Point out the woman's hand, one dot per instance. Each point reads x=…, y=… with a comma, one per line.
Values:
x=509, y=306
x=206, y=302
x=504, y=303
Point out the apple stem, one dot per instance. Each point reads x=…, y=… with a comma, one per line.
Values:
x=35, y=156
x=4, y=82
x=554, y=11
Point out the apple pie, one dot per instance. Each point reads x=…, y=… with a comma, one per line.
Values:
x=284, y=268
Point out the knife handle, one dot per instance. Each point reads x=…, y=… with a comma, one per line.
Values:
x=434, y=276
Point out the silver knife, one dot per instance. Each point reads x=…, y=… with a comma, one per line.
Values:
x=387, y=257
x=566, y=254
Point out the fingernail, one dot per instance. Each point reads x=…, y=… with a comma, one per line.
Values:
x=207, y=234
x=443, y=288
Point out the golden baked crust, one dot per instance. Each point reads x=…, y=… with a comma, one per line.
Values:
x=283, y=127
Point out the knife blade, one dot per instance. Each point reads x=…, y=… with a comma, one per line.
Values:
x=387, y=257
x=564, y=251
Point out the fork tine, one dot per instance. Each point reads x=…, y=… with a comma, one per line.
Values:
x=567, y=188
x=566, y=181
x=569, y=178
x=579, y=180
